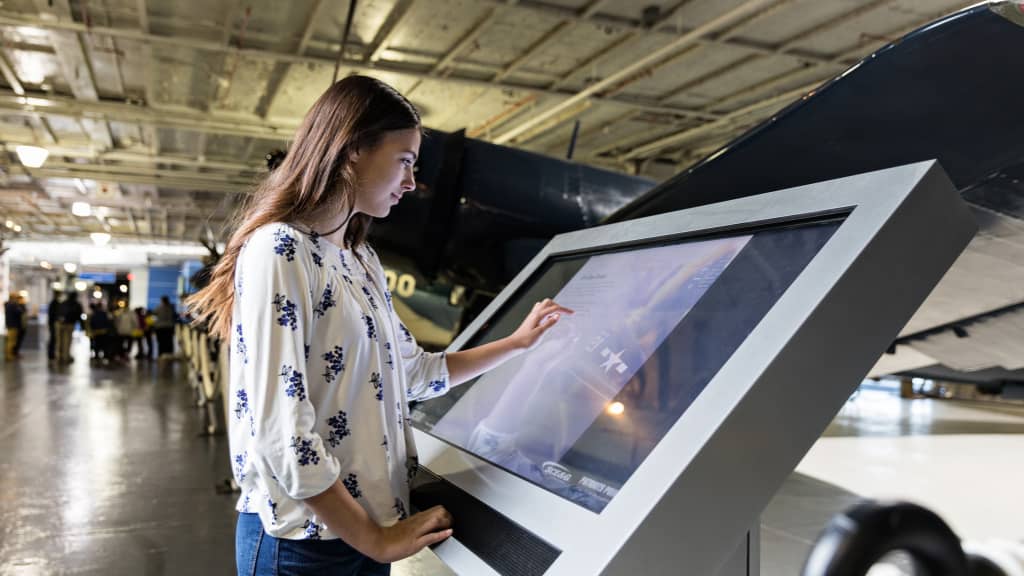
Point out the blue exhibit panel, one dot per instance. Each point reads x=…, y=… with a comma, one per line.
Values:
x=163, y=281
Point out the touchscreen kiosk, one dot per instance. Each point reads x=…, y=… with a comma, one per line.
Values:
x=709, y=349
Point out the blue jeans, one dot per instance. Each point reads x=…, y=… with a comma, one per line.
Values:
x=260, y=554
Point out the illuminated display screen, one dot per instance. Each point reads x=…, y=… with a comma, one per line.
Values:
x=581, y=410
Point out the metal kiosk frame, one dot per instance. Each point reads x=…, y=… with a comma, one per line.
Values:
x=689, y=505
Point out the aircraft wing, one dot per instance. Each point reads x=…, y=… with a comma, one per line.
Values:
x=951, y=91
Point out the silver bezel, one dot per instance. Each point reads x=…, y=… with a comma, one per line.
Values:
x=708, y=479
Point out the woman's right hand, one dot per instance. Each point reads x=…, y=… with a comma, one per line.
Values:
x=411, y=535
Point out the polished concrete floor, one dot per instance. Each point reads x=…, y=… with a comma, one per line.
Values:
x=104, y=472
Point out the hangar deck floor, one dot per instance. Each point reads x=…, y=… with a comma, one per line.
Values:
x=103, y=473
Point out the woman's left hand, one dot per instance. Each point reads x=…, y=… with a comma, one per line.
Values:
x=543, y=316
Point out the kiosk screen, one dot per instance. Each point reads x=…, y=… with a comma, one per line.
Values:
x=580, y=411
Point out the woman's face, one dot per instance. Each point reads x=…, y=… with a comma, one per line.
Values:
x=385, y=172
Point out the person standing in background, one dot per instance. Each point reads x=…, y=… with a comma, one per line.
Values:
x=164, y=326
x=97, y=328
x=52, y=310
x=24, y=325
x=70, y=314
x=146, y=321
x=13, y=319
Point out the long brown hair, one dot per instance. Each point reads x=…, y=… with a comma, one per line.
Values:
x=315, y=178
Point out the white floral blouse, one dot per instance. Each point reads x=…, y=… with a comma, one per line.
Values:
x=322, y=371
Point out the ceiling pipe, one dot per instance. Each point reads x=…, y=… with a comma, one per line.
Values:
x=730, y=17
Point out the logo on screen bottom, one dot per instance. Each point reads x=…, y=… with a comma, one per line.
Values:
x=556, y=471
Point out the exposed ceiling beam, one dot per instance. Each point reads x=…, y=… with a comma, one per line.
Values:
x=9, y=76
x=855, y=53
x=588, y=63
x=143, y=14
x=186, y=119
x=391, y=67
x=732, y=16
x=280, y=71
x=135, y=169
x=673, y=139
x=148, y=130
x=666, y=26
x=442, y=65
x=222, y=84
x=28, y=199
x=474, y=32
x=398, y=15
x=782, y=49
x=39, y=125
x=560, y=29
x=162, y=178
x=131, y=218
x=247, y=154
x=75, y=65
x=201, y=147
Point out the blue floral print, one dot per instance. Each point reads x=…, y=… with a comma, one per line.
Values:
x=327, y=301
x=406, y=335
x=339, y=428
x=352, y=483
x=273, y=510
x=240, y=467
x=312, y=530
x=304, y=450
x=285, y=244
x=293, y=378
x=371, y=330
x=369, y=298
x=335, y=363
x=286, y=308
x=389, y=360
x=241, y=344
x=242, y=404
x=378, y=385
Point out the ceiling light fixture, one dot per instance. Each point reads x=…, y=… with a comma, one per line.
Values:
x=100, y=238
x=81, y=209
x=32, y=156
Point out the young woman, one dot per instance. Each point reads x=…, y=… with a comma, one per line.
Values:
x=322, y=369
